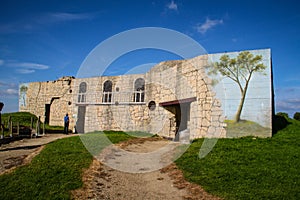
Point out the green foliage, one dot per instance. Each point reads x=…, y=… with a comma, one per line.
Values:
x=297, y=116
x=248, y=168
x=283, y=114
x=23, y=89
x=240, y=68
x=51, y=175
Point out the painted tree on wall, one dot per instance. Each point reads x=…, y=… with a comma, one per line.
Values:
x=240, y=70
x=23, y=90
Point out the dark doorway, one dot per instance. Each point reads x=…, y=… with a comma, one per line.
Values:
x=47, y=113
x=182, y=116
x=80, y=119
x=181, y=110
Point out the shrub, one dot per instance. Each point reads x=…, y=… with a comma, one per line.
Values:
x=283, y=114
x=297, y=116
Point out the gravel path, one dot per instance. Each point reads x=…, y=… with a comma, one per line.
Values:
x=104, y=182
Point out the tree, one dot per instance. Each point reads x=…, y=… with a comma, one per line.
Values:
x=240, y=70
x=297, y=116
x=283, y=114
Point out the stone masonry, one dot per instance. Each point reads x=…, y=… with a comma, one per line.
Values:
x=171, y=97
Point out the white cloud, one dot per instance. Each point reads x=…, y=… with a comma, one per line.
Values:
x=172, y=6
x=63, y=16
x=25, y=67
x=28, y=65
x=7, y=84
x=31, y=23
x=288, y=100
x=12, y=91
x=8, y=89
x=25, y=71
x=208, y=24
x=1, y=62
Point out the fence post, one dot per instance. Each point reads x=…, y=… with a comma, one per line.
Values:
x=11, y=129
x=38, y=126
x=44, y=125
x=18, y=128
x=2, y=136
x=8, y=122
x=31, y=123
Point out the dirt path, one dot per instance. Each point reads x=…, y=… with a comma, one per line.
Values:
x=22, y=151
x=104, y=182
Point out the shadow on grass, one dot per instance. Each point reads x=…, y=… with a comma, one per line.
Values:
x=279, y=123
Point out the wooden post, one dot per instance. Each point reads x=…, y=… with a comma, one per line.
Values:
x=39, y=125
x=2, y=136
x=8, y=122
x=11, y=129
x=31, y=123
x=44, y=126
x=18, y=128
x=36, y=127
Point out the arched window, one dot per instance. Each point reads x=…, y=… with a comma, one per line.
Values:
x=82, y=91
x=107, y=91
x=139, y=90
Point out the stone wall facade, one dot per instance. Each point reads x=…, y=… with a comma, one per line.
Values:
x=173, y=96
x=57, y=95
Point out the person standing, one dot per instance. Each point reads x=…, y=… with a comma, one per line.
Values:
x=67, y=121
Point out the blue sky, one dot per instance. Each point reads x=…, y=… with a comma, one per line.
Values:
x=44, y=40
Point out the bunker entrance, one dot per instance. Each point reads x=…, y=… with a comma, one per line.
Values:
x=80, y=119
x=48, y=110
x=47, y=113
x=181, y=110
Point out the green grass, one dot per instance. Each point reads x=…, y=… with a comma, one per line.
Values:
x=248, y=168
x=98, y=140
x=55, y=171
x=51, y=174
x=24, y=118
x=243, y=168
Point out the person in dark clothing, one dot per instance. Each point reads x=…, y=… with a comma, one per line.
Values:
x=67, y=121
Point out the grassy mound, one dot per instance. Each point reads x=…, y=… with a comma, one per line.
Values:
x=24, y=118
x=248, y=168
x=51, y=175
x=55, y=171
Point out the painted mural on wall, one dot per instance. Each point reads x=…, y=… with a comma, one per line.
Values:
x=23, y=88
x=242, y=81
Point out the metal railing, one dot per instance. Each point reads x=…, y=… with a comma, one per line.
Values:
x=108, y=98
